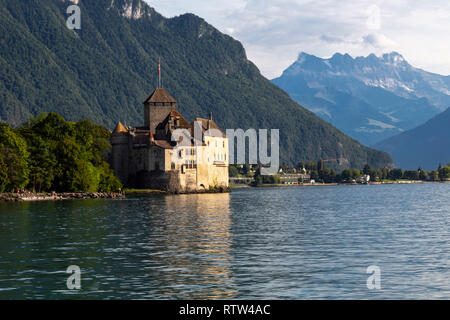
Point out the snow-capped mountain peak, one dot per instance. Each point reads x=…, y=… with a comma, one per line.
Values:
x=369, y=97
x=389, y=71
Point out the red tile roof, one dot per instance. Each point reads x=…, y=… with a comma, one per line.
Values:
x=212, y=125
x=160, y=95
x=120, y=129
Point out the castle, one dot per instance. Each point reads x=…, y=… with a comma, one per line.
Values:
x=169, y=153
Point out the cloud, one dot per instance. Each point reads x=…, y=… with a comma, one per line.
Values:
x=339, y=40
x=378, y=41
x=275, y=31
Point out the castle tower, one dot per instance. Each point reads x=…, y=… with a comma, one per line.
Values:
x=157, y=107
x=120, y=152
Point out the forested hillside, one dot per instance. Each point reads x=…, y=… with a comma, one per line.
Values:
x=426, y=146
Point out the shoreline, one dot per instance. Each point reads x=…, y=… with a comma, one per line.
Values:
x=336, y=184
x=34, y=197
x=30, y=197
x=137, y=192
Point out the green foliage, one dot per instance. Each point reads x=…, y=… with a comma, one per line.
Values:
x=108, y=181
x=348, y=175
x=3, y=175
x=434, y=175
x=233, y=171
x=444, y=173
x=274, y=179
x=395, y=174
x=42, y=163
x=13, y=159
x=411, y=175
x=104, y=72
x=51, y=154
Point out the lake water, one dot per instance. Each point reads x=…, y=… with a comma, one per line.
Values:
x=265, y=243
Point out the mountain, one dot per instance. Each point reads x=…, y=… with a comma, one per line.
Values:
x=369, y=98
x=425, y=146
x=105, y=71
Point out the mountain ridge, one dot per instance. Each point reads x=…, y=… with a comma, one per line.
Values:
x=369, y=98
x=425, y=146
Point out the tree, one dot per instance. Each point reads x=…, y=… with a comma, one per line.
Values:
x=3, y=175
x=233, y=171
x=385, y=173
x=367, y=169
x=356, y=174
x=42, y=162
x=411, y=175
x=314, y=175
x=423, y=175
x=300, y=165
x=67, y=156
x=311, y=166
x=108, y=181
x=444, y=173
x=258, y=179
x=14, y=159
x=395, y=174
x=434, y=175
x=346, y=175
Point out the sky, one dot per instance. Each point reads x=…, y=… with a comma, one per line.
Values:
x=274, y=32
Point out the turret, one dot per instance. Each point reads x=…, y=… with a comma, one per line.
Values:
x=120, y=152
x=157, y=107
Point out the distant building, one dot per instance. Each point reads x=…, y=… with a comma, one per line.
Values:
x=143, y=157
x=365, y=179
x=296, y=177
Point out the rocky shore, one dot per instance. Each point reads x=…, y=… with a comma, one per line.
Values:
x=135, y=192
x=59, y=196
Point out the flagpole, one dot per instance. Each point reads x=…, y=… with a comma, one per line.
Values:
x=159, y=73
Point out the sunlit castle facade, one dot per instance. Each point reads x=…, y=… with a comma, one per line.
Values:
x=170, y=153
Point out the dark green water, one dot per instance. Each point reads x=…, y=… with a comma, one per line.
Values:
x=269, y=243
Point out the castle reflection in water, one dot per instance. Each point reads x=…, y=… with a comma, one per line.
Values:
x=194, y=241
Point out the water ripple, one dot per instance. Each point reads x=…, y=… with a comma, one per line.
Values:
x=268, y=243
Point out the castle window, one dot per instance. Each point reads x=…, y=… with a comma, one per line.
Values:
x=173, y=166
